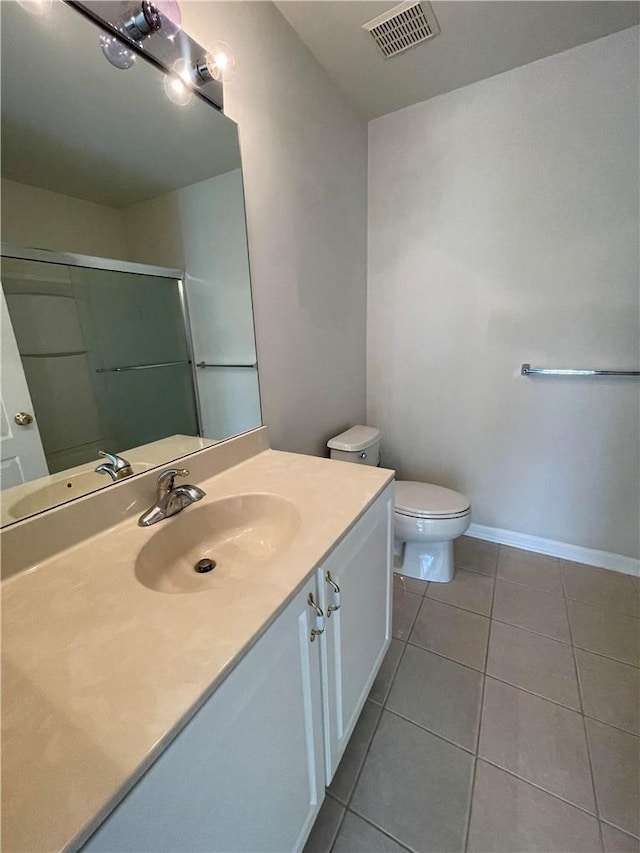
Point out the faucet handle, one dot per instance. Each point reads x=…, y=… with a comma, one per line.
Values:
x=110, y=456
x=116, y=461
x=166, y=479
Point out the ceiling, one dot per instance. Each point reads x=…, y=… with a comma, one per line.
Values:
x=476, y=41
x=74, y=124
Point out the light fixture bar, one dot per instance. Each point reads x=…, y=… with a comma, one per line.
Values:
x=162, y=52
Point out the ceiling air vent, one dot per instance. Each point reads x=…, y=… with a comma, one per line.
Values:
x=402, y=27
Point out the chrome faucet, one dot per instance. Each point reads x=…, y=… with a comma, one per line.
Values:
x=115, y=466
x=171, y=498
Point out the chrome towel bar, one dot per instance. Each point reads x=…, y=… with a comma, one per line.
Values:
x=527, y=370
x=207, y=364
x=139, y=367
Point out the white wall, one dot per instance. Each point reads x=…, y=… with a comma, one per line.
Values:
x=304, y=154
x=41, y=219
x=503, y=228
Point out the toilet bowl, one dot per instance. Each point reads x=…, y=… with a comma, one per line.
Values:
x=427, y=518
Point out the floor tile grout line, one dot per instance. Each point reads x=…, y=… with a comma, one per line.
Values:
x=561, y=705
x=619, y=828
x=475, y=669
x=457, y=606
x=364, y=761
x=540, y=788
x=528, y=586
x=605, y=657
x=615, y=572
x=475, y=571
x=474, y=772
x=445, y=740
x=400, y=585
x=564, y=595
x=537, y=695
x=530, y=631
x=565, y=643
x=375, y=729
x=602, y=609
x=484, y=684
x=635, y=735
x=410, y=631
x=582, y=714
x=575, y=662
x=340, y=822
x=384, y=832
x=422, y=728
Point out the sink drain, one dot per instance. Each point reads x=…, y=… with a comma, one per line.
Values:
x=205, y=565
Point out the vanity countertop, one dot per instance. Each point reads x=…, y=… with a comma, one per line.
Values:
x=101, y=672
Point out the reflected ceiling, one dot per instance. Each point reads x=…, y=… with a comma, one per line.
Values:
x=58, y=134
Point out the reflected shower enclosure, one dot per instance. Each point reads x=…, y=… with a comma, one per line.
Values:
x=106, y=356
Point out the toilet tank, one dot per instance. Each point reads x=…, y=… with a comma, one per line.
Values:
x=359, y=444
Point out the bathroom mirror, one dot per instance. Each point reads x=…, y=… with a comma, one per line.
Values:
x=127, y=312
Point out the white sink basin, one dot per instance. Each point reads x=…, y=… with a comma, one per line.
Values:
x=240, y=534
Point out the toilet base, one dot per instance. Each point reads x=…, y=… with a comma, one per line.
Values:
x=425, y=561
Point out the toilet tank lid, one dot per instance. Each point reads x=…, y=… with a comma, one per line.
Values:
x=357, y=438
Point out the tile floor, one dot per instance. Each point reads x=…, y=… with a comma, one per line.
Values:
x=505, y=716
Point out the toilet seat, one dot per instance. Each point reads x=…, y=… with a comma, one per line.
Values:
x=424, y=500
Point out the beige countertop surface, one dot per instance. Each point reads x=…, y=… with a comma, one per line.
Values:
x=100, y=672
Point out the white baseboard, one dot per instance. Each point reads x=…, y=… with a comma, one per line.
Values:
x=576, y=553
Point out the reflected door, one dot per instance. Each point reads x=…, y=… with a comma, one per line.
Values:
x=21, y=454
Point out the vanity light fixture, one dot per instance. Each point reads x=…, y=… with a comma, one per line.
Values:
x=217, y=64
x=130, y=28
x=214, y=65
x=117, y=52
x=149, y=17
x=144, y=22
x=178, y=85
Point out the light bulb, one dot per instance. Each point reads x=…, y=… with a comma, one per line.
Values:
x=177, y=84
x=223, y=60
x=116, y=51
x=170, y=11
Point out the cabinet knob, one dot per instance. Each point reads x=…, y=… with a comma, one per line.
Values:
x=336, y=595
x=319, y=628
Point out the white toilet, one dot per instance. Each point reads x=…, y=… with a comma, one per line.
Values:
x=427, y=518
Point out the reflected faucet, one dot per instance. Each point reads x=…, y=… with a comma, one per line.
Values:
x=115, y=466
x=171, y=499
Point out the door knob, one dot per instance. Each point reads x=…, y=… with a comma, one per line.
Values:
x=23, y=418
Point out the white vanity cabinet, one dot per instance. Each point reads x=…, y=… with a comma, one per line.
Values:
x=354, y=585
x=247, y=773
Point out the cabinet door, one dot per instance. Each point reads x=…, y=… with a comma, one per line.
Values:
x=246, y=774
x=357, y=634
